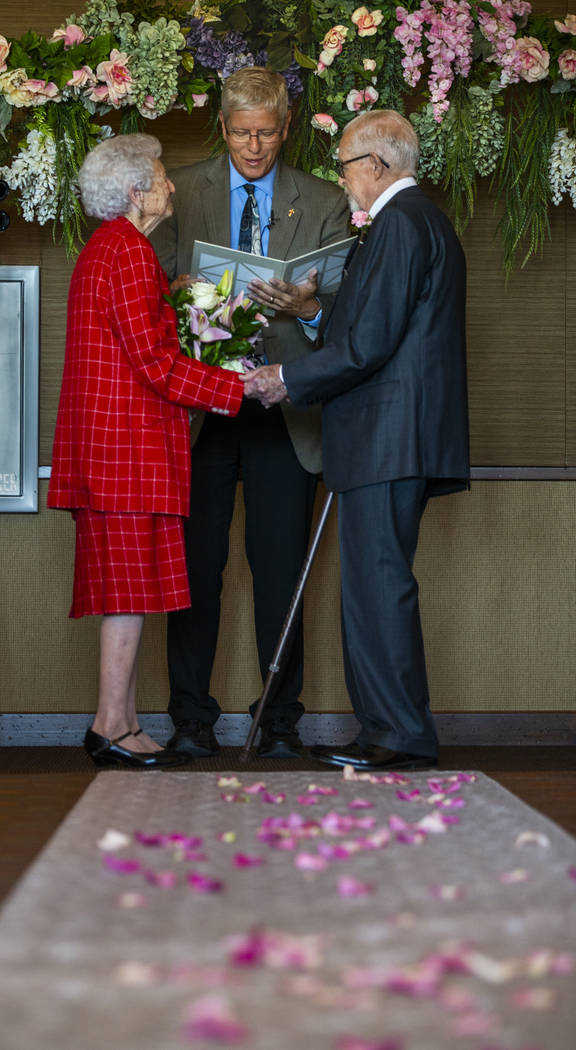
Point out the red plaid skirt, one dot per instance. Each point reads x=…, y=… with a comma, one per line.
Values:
x=128, y=563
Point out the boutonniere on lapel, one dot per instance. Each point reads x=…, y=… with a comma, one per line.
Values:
x=361, y=220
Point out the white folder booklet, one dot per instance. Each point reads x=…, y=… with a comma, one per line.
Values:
x=211, y=260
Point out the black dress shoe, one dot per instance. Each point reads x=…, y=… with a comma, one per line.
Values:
x=371, y=757
x=279, y=741
x=107, y=754
x=196, y=739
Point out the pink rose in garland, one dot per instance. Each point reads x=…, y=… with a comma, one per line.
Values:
x=567, y=26
x=331, y=46
x=116, y=77
x=81, y=78
x=324, y=122
x=567, y=64
x=367, y=21
x=534, y=59
x=4, y=52
x=71, y=36
x=40, y=91
x=356, y=100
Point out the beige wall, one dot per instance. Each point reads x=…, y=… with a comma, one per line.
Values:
x=496, y=565
x=497, y=574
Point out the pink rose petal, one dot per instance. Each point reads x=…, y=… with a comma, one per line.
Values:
x=275, y=800
x=411, y=837
x=165, y=879
x=203, y=883
x=397, y=823
x=213, y=1019
x=150, y=840
x=256, y=788
x=310, y=862
x=244, y=860
x=409, y=796
x=186, y=841
x=360, y=803
x=350, y=887
x=119, y=865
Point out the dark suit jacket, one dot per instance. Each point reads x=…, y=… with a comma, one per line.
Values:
x=392, y=371
x=309, y=213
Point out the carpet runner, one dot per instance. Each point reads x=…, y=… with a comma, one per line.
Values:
x=415, y=912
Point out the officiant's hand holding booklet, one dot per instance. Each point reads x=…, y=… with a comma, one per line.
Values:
x=211, y=260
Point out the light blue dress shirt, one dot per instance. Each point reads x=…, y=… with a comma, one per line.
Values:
x=263, y=190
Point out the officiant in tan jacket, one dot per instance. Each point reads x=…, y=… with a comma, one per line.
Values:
x=249, y=199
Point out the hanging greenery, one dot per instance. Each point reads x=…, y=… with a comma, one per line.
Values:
x=490, y=88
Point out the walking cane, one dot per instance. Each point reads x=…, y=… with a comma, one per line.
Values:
x=276, y=665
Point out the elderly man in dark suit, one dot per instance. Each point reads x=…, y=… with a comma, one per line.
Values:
x=392, y=378
x=249, y=199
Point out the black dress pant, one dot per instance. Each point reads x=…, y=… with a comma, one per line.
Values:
x=382, y=637
x=279, y=501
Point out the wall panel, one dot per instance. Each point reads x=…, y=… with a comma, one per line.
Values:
x=497, y=574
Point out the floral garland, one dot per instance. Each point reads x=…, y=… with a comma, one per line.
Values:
x=491, y=89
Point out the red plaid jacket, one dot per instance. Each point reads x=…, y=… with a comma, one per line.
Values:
x=122, y=439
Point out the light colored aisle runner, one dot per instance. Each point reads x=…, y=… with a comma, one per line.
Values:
x=432, y=914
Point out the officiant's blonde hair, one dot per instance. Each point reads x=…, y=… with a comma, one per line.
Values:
x=255, y=88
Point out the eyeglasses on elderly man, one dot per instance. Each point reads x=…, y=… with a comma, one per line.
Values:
x=340, y=165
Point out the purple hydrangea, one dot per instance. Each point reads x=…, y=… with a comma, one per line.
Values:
x=230, y=53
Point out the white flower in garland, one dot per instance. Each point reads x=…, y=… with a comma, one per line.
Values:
x=33, y=173
x=562, y=167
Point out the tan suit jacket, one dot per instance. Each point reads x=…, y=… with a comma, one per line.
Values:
x=308, y=213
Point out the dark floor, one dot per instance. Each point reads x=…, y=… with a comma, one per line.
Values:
x=39, y=785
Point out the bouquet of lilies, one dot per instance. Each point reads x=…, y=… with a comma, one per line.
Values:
x=216, y=327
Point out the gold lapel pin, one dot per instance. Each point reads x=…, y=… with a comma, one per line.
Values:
x=290, y=213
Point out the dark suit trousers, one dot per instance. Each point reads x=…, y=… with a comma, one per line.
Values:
x=383, y=647
x=279, y=501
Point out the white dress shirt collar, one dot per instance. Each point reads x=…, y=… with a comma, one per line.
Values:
x=400, y=184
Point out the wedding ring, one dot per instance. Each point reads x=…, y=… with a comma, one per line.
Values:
x=271, y=298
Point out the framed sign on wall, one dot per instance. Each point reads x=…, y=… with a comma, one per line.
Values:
x=19, y=368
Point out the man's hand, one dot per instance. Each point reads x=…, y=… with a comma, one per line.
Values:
x=299, y=300
x=184, y=280
x=265, y=384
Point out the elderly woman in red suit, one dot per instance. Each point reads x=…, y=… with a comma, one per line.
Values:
x=121, y=459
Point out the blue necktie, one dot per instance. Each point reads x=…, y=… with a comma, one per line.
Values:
x=250, y=238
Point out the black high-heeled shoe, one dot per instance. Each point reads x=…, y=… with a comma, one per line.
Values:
x=108, y=754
